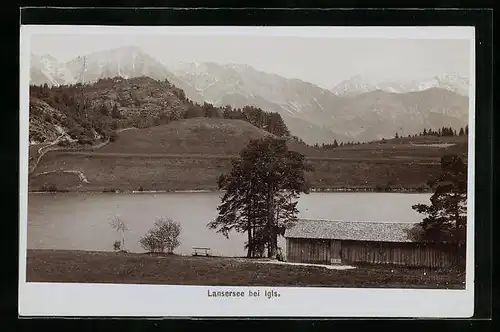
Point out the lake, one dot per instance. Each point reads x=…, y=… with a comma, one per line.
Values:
x=80, y=221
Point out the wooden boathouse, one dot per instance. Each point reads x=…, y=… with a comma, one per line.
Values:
x=350, y=242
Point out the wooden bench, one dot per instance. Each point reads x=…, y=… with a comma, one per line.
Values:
x=196, y=251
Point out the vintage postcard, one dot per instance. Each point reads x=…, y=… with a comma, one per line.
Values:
x=247, y=171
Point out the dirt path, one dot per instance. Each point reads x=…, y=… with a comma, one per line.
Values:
x=80, y=174
x=42, y=151
x=124, y=129
x=50, y=147
x=435, y=145
x=100, y=145
x=270, y=261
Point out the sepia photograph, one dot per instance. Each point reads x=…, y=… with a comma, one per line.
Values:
x=244, y=165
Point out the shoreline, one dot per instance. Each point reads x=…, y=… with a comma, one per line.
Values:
x=332, y=190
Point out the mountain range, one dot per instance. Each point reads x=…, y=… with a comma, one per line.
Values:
x=358, y=85
x=354, y=110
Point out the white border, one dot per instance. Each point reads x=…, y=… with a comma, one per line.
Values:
x=54, y=299
x=379, y=32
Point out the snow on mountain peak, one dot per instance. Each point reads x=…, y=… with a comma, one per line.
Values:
x=54, y=72
x=126, y=61
x=238, y=67
x=357, y=85
x=354, y=85
x=188, y=67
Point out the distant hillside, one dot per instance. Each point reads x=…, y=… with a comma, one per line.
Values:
x=91, y=113
x=319, y=116
x=126, y=62
x=47, y=123
x=88, y=112
x=196, y=135
x=190, y=154
x=379, y=114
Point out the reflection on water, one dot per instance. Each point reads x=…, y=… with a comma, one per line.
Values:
x=81, y=221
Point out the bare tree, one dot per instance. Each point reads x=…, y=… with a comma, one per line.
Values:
x=80, y=80
x=120, y=226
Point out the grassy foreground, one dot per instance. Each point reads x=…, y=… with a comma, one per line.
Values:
x=128, y=268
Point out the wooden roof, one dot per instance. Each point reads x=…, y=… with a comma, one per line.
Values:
x=350, y=230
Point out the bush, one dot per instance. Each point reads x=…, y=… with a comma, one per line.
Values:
x=75, y=132
x=117, y=246
x=86, y=141
x=415, y=233
x=163, y=236
x=280, y=256
x=63, y=143
x=113, y=136
x=49, y=188
x=104, y=110
x=381, y=188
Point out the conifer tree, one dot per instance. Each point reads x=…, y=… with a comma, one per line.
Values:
x=261, y=193
x=446, y=218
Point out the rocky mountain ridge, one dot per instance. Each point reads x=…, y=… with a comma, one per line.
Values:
x=358, y=85
x=312, y=113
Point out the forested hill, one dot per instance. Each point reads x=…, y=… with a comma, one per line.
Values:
x=93, y=112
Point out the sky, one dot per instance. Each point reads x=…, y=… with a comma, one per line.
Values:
x=322, y=61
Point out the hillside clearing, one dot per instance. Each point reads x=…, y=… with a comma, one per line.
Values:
x=195, y=136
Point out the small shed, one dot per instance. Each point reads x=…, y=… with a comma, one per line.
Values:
x=348, y=242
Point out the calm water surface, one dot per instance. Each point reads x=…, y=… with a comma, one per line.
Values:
x=81, y=221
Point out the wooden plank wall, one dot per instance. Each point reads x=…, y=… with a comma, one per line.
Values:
x=335, y=252
x=408, y=254
x=308, y=251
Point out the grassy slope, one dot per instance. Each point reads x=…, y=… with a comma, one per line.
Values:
x=132, y=173
x=164, y=158
x=402, y=148
x=196, y=135
x=102, y=267
x=136, y=167
x=163, y=173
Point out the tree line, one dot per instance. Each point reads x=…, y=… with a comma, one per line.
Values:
x=444, y=131
x=271, y=122
x=336, y=144
x=441, y=132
